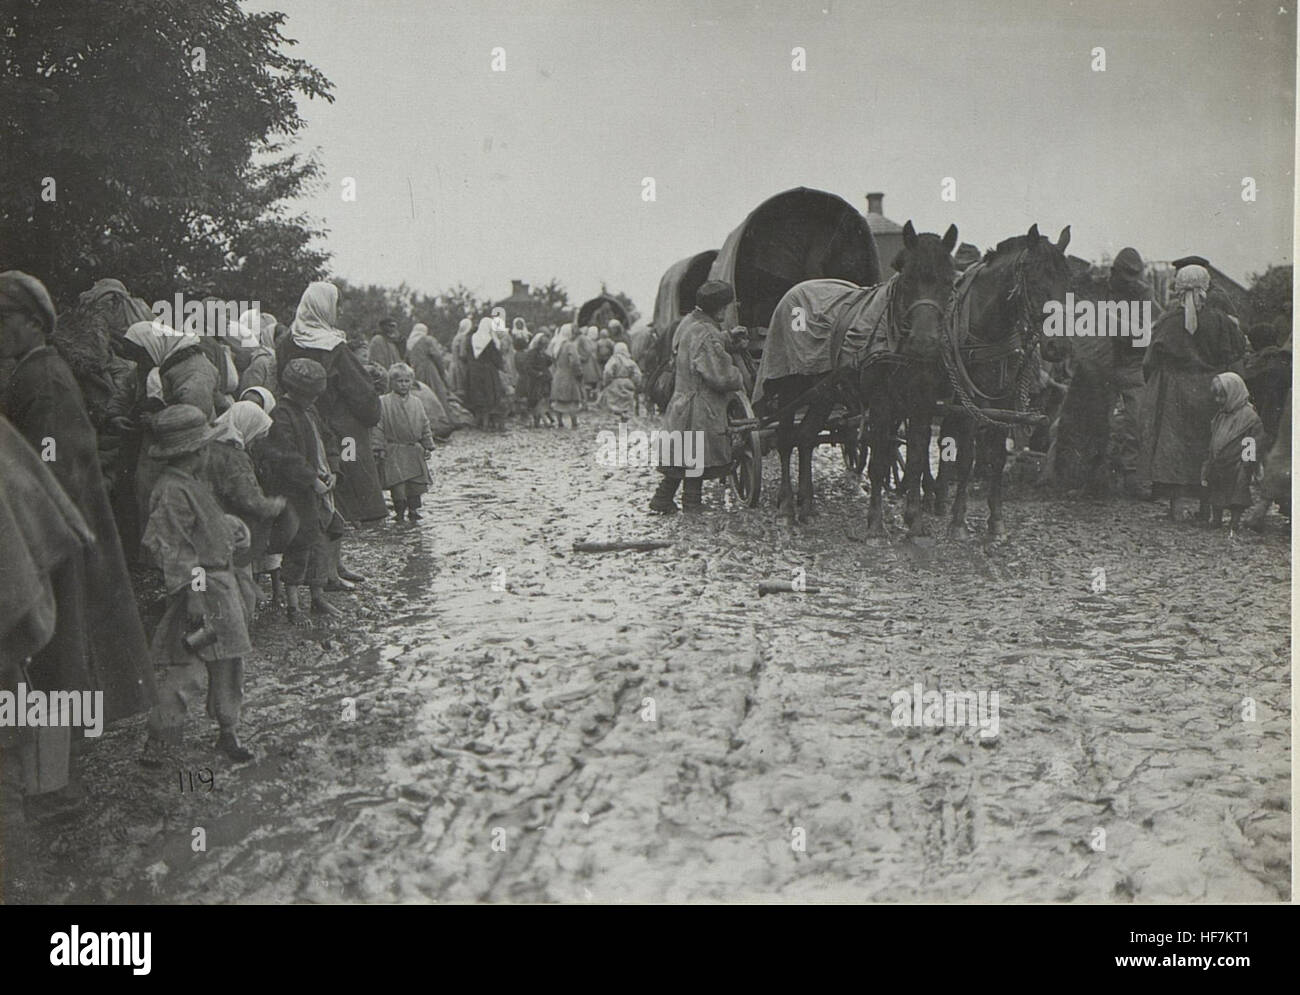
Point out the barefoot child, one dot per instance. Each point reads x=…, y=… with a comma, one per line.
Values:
x=401, y=441
x=203, y=635
x=1236, y=435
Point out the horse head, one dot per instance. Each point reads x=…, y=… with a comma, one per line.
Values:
x=1045, y=271
x=925, y=279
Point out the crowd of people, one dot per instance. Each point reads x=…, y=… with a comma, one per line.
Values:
x=236, y=460
x=237, y=463
x=1193, y=411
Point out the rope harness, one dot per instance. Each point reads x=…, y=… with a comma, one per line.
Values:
x=1020, y=345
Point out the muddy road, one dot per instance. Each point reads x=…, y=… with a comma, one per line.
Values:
x=502, y=719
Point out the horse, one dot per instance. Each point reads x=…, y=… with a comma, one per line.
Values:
x=852, y=329
x=991, y=354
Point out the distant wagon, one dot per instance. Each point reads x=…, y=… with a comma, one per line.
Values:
x=675, y=300
x=600, y=310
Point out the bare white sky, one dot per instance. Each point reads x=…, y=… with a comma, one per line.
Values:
x=468, y=175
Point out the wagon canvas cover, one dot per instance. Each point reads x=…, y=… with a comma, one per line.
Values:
x=823, y=324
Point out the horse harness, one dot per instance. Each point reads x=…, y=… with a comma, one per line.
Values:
x=1015, y=348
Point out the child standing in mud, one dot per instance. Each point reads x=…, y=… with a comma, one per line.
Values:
x=203, y=635
x=294, y=461
x=401, y=442
x=1236, y=433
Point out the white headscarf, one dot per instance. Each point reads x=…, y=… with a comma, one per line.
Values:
x=247, y=332
x=418, y=332
x=242, y=423
x=158, y=340
x=268, y=399
x=1191, y=283
x=481, y=338
x=313, y=325
x=565, y=334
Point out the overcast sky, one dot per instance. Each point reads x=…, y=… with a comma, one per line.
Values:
x=468, y=175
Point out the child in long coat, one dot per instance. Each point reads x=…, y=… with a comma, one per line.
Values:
x=401, y=440
x=203, y=635
x=294, y=460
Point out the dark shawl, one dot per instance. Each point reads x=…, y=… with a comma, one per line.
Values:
x=349, y=408
x=43, y=401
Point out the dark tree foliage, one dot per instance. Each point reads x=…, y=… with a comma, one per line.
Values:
x=164, y=126
x=1269, y=292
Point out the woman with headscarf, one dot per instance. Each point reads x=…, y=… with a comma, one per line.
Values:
x=566, y=382
x=1189, y=344
x=42, y=401
x=175, y=370
x=460, y=359
x=485, y=386
x=535, y=380
x=425, y=359
x=186, y=374
x=621, y=379
x=1236, y=446
x=349, y=406
x=585, y=340
x=258, y=344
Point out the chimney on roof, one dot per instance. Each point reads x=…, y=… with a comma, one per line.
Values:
x=875, y=203
x=518, y=288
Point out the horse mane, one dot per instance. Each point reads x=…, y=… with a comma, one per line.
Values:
x=1013, y=244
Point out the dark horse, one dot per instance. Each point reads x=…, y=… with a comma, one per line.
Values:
x=903, y=319
x=991, y=355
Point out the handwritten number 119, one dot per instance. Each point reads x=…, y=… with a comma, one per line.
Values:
x=205, y=777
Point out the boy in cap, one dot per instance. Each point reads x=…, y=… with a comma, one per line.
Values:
x=203, y=635
x=295, y=462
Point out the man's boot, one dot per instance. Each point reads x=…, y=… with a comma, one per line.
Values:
x=413, y=509
x=399, y=510
x=693, y=494
x=662, y=501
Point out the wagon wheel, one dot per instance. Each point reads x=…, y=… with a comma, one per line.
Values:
x=746, y=472
x=853, y=445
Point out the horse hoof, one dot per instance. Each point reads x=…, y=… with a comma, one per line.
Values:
x=959, y=531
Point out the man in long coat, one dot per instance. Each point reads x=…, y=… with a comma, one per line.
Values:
x=42, y=400
x=705, y=374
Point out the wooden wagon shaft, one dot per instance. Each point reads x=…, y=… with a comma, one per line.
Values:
x=998, y=414
x=613, y=547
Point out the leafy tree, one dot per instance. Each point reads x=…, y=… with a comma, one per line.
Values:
x=361, y=309
x=1270, y=293
x=148, y=140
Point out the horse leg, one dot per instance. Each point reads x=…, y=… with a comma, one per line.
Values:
x=918, y=465
x=881, y=426
x=963, y=436
x=997, y=461
x=784, y=443
x=809, y=429
x=948, y=428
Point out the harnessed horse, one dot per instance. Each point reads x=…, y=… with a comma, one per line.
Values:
x=991, y=355
x=903, y=320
